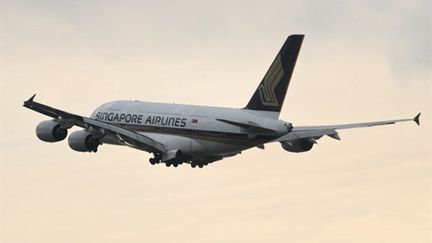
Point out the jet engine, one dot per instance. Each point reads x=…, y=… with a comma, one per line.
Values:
x=83, y=141
x=50, y=131
x=299, y=145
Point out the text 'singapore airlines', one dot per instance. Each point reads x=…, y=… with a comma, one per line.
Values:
x=139, y=119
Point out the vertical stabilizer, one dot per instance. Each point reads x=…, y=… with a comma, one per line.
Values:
x=270, y=94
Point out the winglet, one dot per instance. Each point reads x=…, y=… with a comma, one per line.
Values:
x=29, y=102
x=417, y=119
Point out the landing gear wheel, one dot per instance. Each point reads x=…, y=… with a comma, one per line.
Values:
x=156, y=158
x=200, y=165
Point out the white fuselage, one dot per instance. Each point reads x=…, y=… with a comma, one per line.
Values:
x=193, y=129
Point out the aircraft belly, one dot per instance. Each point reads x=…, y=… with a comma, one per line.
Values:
x=196, y=147
x=201, y=147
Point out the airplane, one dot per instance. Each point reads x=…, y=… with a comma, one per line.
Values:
x=197, y=135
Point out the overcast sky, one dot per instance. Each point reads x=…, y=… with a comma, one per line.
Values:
x=360, y=61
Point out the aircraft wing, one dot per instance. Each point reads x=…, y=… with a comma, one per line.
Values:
x=315, y=132
x=98, y=128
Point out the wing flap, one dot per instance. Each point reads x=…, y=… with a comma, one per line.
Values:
x=128, y=136
x=306, y=134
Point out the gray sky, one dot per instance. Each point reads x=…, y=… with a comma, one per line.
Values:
x=360, y=61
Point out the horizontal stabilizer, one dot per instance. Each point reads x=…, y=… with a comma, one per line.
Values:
x=246, y=125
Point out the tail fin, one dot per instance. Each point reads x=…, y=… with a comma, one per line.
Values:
x=270, y=94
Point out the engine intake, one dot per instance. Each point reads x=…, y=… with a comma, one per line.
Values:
x=50, y=131
x=298, y=146
x=83, y=141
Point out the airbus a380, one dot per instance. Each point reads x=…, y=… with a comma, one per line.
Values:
x=197, y=135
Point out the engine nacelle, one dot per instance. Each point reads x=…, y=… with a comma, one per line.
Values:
x=298, y=146
x=50, y=131
x=83, y=141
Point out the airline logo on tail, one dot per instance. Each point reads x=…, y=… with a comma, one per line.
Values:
x=271, y=80
x=270, y=94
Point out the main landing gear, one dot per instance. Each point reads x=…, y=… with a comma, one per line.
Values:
x=198, y=163
x=157, y=159
x=175, y=164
